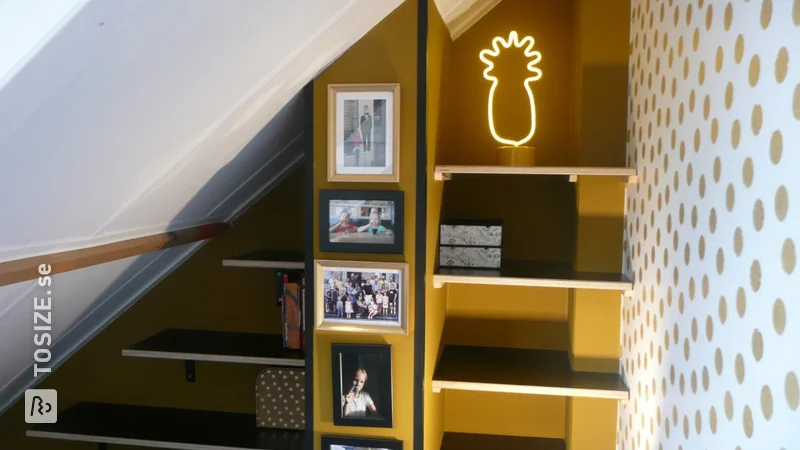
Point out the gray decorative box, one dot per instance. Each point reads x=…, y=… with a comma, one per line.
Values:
x=474, y=257
x=475, y=244
x=483, y=233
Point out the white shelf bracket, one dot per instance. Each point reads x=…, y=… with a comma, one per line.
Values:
x=441, y=176
x=573, y=178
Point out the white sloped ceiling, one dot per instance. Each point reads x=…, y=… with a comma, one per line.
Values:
x=460, y=15
x=126, y=118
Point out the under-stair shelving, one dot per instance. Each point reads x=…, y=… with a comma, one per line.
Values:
x=217, y=346
x=158, y=427
x=470, y=441
x=533, y=274
x=521, y=371
x=268, y=259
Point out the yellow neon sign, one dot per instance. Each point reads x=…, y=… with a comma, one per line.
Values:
x=513, y=39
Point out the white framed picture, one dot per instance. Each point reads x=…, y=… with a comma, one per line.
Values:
x=361, y=297
x=364, y=132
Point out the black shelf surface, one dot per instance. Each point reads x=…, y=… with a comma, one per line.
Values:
x=542, y=372
x=534, y=273
x=219, y=346
x=469, y=441
x=277, y=259
x=150, y=426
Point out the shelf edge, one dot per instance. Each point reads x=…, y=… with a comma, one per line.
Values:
x=440, y=280
x=253, y=264
x=214, y=358
x=438, y=385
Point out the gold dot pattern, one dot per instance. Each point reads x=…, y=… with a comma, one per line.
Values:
x=712, y=233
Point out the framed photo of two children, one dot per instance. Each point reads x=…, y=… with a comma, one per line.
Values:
x=364, y=132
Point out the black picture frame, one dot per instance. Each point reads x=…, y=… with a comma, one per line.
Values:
x=328, y=195
x=361, y=442
x=347, y=360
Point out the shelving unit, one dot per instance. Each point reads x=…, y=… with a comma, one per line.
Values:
x=627, y=175
x=218, y=346
x=533, y=274
x=148, y=426
x=521, y=371
x=268, y=259
x=470, y=441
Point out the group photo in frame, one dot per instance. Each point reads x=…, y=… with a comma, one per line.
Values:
x=361, y=297
x=362, y=385
x=332, y=442
x=364, y=132
x=361, y=221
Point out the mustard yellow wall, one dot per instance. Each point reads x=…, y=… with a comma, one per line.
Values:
x=439, y=44
x=601, y=110
x=200, y=294
x=387, y=54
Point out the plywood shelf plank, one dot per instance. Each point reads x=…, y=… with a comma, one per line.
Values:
x=521, y=371
x=533, y=274
x=626, y=174
x=149, y=426
x=268, y=259
x=471, y=441
x=217, y=346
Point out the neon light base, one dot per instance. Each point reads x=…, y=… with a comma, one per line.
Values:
x=522, y=156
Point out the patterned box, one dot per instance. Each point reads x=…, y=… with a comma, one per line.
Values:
x=474, y=257
x=481, y=233
x=280, y=398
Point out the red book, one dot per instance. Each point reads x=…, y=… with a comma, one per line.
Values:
x=292, y=316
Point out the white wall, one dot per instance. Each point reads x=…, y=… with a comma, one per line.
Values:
x=713, y=226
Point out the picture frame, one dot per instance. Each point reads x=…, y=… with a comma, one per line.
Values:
x=361, y=297
x=335, y=442
x=362, y=385
x=347, y=219
x=364, y=132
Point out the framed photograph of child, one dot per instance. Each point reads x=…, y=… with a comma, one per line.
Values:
x=361, y=297
x=330, y=442
x=364, y=132
x=362, y=385
x=361, y=221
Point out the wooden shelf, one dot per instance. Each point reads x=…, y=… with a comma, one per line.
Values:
x=219, y=346
x=533, y=273
x=469, y=441
x=268, y=259
x=626, y=174
x=521, y=371
x=148, y=426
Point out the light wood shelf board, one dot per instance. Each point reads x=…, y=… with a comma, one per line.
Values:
x=533, y=274
x=268, y=259
x=522, y=371
x=626, y=174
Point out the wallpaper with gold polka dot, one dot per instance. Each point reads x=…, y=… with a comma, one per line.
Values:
x=711, y=336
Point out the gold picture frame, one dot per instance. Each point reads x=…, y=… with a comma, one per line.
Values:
x=377, y=297
x=364, y=133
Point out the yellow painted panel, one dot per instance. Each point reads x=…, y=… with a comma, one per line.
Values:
x=507, y=414
x=601, y=209
x=592, y=424
x=439, y=44
x=387, y=54
x=595, y=319
x=507, y=302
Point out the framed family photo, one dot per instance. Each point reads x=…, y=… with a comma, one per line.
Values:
x=359, y=443
x=364, y=132
x=362, y=385
x=361, y=297
x=361, y=221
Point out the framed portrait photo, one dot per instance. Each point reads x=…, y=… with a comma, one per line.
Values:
x=361, y=221
x=362, y=385
x=330, y=442
x=361, y=297
x=364, y=132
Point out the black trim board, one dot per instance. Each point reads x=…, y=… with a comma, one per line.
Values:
x=421, y=209
x=308, y=233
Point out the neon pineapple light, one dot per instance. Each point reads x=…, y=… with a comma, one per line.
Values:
x=536, y=73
